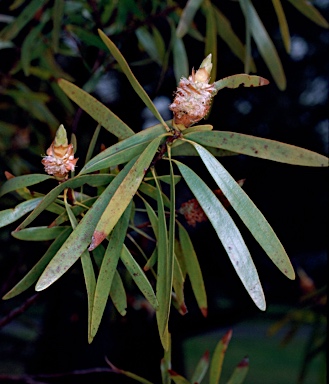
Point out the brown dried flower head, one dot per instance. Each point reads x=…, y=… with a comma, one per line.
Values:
x=193, y=96
x=60, y=156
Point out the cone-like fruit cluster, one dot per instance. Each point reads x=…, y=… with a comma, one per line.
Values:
x=60, y=156
x=193, y=96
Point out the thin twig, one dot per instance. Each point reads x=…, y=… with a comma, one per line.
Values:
x=18, y=311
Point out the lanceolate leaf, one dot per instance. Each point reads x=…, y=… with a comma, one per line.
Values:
x=93, y=180
x=164, y=272
x=80, y=238
x=188, y=14
x=211, y=36
x=240, y=80
x=124, y=194
x=27, y=14
x=264, y=43
x=180, y=59
x=124, y=150
x=193, y=269
x=306, y=8
x=21, y=182
x=118, y=294
x=107, y=270
x=284, y=29
x=218, y=358
x=132, y=79
x=228, y=233
x=38, y=233
x=10, y=215
x=32, y=276
x=240, y=372
x=259, y=147
x=201, y=369
x=226, y=32
x=96, y=110
x=248, y=212
x=139, y=277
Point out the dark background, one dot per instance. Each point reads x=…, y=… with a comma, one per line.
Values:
x=51, y=335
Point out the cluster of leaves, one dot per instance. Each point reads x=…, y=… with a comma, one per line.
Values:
x=38, y=34
x=98, y=224
x=214, y=366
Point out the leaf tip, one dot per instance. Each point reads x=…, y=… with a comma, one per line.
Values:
x=204, y=311
x=97, y=238
x=227, y=337
x=244, y=362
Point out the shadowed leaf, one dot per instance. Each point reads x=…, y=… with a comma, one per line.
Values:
x=180, y=59
x=201, y=369
x=264, y=44
x=193, y=269
x=284, y=29
x=308, y=10
x=32, y=276
x=107, y=270
x=10, y=215
x=240, y=372
x=118, y=294
x=188, y=14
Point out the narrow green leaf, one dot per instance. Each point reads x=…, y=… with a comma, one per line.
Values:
x=29, y=43
x=259, y=147
x=308, y=10
x=264, y=44
x=178, y=285
x=211, y=36
x=193, y=269
x=87, y=267
x=89, y=38
x=201, y=369
x=160, y=44
x=96, y=110
x=164, y=271
x=91, y=146
x=26, y=15
x=178, y=379
x=21, y=182
x=217, y=359
x=180, y=60
x=107, y=270
x=152, y=260
x=139, y=277
x=186, y=150
x=71, y=183
x=38, y=233
x=228, y=233
x=241, y=79
x=80, y=238
x=240, y=372
x=57, y=13
x=32, y=276
x=227, y=34
x=132, y=79
x=151, y=191
x=10, y=215
x=124, y=194
x=118, y=294
x=147, y=41
x=284, y=29
x=248, y=212
x=188, y=14
x=123, y=151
